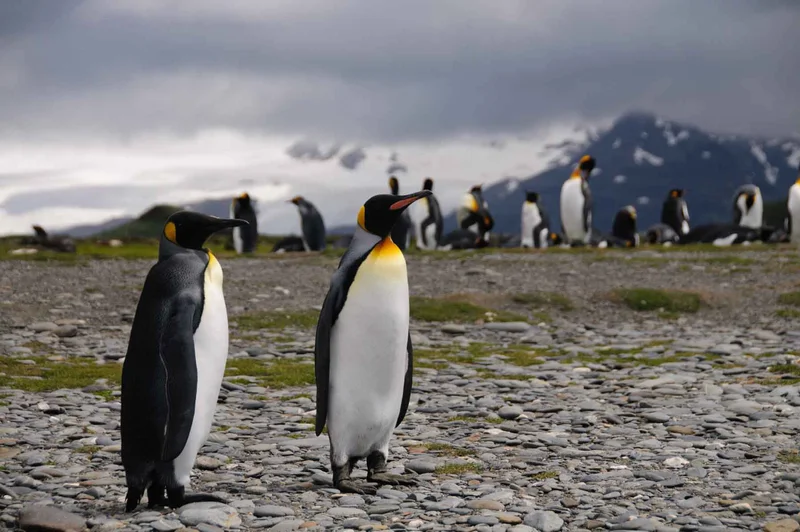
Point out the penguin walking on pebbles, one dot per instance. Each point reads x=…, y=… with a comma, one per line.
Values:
x=245, y=239
x=363, y=354
x=535, y=223
x=175, y=363
x=576, y=203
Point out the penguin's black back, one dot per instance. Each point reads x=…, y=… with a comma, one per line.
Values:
x=243, y=210
x=159, y=375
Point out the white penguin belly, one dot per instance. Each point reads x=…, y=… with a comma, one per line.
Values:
x=793, y=206
x=368, y=358
x=211, y=353
x=237, y=239
x=430, y=236
x=572, y=210
x=530, y=219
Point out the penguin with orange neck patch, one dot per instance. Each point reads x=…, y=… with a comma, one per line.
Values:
x=363, y=355
x=576, y=204
x=175, y=362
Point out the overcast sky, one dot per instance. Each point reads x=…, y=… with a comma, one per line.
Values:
x=126, y=94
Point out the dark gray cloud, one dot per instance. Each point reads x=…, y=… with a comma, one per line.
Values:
x=368, y=71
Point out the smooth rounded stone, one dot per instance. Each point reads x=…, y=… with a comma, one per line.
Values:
x=212, y=513
x=448, y=503
x=508, y=326
x=253, y=405
x=382, y=508
x=352, y=500
x=591, y=406
x=640, y=523
x=272, y=511
x=166, y=525
x=486, y=504
x=656, y=417
x=482, y=520
x=510, y=412
x=205, y=527
x=421, y=466
x=453, y=328
x=66, y=331
x=41, y=517
x=43, y=326
x=784, y=525
x=208, y=463
x=676, y=462
x=508, y=518
x=287, y=526
x=340, y=512
x=544, y=521
x=520, y=528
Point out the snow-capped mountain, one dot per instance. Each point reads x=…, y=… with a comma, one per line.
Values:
x=641, y=157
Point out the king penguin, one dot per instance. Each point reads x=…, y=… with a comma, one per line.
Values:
x=748, y=207
x=576, y=203
x=623, y=230
x=401, y=234
x=473, y=215
x=311, y=224
x=793, y=208
x=535, y=223
x=175, y=362
x=363, y=355
x=675, y=213
x=431, y=224
x=245, y=239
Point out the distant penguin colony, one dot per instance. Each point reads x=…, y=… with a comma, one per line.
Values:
x=175, y=363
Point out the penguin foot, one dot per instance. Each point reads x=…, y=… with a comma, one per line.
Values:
x=178, y=497
x=156, y=497
x=392, y=479
x=132, y=499
x=361, y=488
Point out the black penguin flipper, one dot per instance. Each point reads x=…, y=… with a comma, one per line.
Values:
x=177, y=382
x=587, y=208
x=408, y=381
x=331, y=308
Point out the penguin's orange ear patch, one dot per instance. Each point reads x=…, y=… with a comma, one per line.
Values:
x=402, y=203
x=171, y=233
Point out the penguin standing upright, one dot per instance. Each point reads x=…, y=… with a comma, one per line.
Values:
x=675, y=213
x=431, y=224
x=748, y=207
x=623, y=230
x=311, y=224
x=363, y=354
x=793, y=215
x=245, y=239
x=576, y=203
x=175, y=362
x=535, y=223
x=401, y=234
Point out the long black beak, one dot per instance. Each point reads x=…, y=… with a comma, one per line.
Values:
x=402, y=202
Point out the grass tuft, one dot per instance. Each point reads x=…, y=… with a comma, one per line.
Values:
x=790, y=298
x=649, y=299
x=274, y=319
x=789, y=457
x=544, y=475
x=445, y=449
x=788, y=313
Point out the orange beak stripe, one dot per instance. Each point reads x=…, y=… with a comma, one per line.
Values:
x=402, y=203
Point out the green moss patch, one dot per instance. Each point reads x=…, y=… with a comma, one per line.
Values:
x=790, y=298
x=459, y=469
x=46, y=375
x=445, y=449
x=651, y=299
x=276, y=320
x=276, y=374
x=457, y=311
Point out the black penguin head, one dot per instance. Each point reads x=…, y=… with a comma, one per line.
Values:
x=428, y=184
x=586, y=165
x=677, y=193
x=379, y=214
x=532, y=197
x=477, y=189
x=297, y=200
x=624, y=226
x=394, y=185
x=242, y=199
x=190, y=230
x=40, y=232
x=748, y=194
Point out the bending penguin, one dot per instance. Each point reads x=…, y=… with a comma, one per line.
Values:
x=401, y=234
x=245, y=239
x=535, y=223
x=576, y=203
x=748, y=207
x=623, y=230
x=311, y=226
x=363, y=355
x=793, y=208
x=474, y=223
x=675, y=213
x=175, y=362
x=429, y=229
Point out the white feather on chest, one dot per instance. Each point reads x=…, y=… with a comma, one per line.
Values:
x=571, y=204
x=211, y=353
x=368, y=355
x=530, y=219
